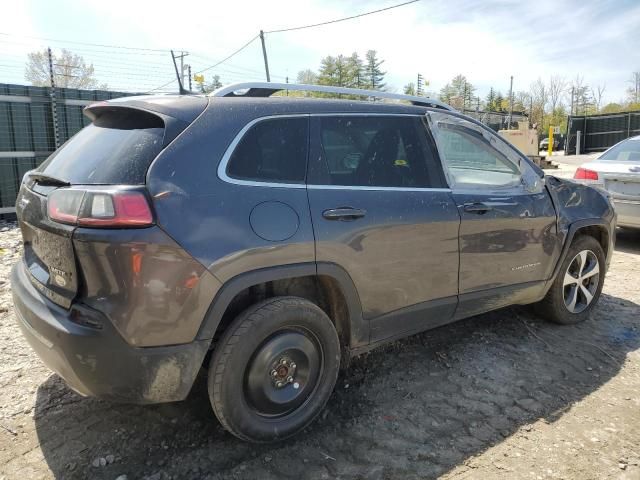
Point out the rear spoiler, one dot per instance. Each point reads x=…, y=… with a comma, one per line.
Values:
x=182, y=107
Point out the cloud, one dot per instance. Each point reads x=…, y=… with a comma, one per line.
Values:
x=485, y=40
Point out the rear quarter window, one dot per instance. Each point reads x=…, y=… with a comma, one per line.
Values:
x=272, y=150
x=117, y=148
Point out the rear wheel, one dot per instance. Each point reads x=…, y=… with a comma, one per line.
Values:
x=274, y=369
x=577, y=287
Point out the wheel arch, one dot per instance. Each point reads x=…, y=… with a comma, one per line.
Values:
x=326, y=284
x=597, y=228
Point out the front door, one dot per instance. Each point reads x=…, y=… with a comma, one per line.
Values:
x=508, y=225
x=381, y=210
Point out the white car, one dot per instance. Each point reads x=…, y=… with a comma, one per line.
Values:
x=617, y=171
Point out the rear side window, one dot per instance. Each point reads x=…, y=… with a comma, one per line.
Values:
x=375, y=151
x=117, y=148
x=273, y=150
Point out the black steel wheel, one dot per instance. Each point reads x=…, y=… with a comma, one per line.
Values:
x=274, y=369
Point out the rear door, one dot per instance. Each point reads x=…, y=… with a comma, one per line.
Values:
x=116, y=149
x=381, y=210
x=508, y=230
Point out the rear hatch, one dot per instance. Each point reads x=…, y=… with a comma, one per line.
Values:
x=115, y=151
x=622, y=180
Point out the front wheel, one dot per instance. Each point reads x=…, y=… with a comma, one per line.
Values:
x=274, y=369
x=577, y=287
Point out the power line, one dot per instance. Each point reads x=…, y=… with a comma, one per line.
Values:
x=342, y=19
x=212, y=66
x=86, y=43
x=234, y=53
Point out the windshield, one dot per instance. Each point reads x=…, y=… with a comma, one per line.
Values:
x=628, y=150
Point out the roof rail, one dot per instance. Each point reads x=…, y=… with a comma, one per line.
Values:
x=266, y=89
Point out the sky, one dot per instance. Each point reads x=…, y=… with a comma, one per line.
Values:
x=487, y=41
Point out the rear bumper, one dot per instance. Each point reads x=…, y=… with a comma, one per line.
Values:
x=628, y=212
x=98, y=362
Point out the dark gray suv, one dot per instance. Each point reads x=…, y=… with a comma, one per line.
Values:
x=270, y=239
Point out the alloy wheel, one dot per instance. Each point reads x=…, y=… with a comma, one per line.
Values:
x=581, y=281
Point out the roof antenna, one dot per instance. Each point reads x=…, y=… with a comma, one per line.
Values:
x=181, y=89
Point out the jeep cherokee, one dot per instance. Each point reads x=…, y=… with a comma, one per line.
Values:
x=273, y=238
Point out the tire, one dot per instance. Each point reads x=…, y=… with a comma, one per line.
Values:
x=584, y=263
x=274, y=369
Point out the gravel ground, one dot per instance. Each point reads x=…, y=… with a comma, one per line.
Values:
x=502, y=395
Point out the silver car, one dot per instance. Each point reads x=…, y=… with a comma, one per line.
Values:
x=617, y=171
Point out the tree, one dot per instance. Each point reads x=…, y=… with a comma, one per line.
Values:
x=308, y=77
x=458, y=92
x=490, y=100
x=409, y=89
x=327, y=73
x=499, y=102
x=69, y=70
x=612, y=108
x=355, y=71
x=539, y=99
x=583, y=104
x=204, y=88
x=556, y=89
x=633, y=92
x=521, y=101
x=215, y=84
x=373, y=72
x=597, y=94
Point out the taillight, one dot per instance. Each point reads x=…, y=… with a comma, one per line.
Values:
x=97, y=208
x=585, y=174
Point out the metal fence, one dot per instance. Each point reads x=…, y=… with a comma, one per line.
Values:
x=599, y=132
x=34, y=121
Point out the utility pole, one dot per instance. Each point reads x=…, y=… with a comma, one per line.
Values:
x=182, y=65
x=510, y=103
x=464, y=97
x=264, y=54
x=419, y=84
x=52, y=93
x=189, y=67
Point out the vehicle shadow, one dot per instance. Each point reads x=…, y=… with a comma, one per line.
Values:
x=628, y=240
x=414, y=409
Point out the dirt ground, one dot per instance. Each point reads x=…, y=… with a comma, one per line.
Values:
x=502, y=395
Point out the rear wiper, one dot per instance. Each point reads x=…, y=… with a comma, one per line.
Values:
x=50, y=180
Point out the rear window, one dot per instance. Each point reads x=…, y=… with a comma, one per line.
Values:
x=273, y=150
x=627, y=151
x=117, y=148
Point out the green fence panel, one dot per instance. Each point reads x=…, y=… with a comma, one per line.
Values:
x=27, y=126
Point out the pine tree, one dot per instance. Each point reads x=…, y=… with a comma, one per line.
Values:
x=375, y=76
x=341, y=72
x=447, y=93
x=491, y=99
x=498, y=102
x=327, y=73
x=410, y=89
x=355, y=71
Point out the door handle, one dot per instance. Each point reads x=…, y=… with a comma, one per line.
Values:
x=477, y=207
x=344, y=213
